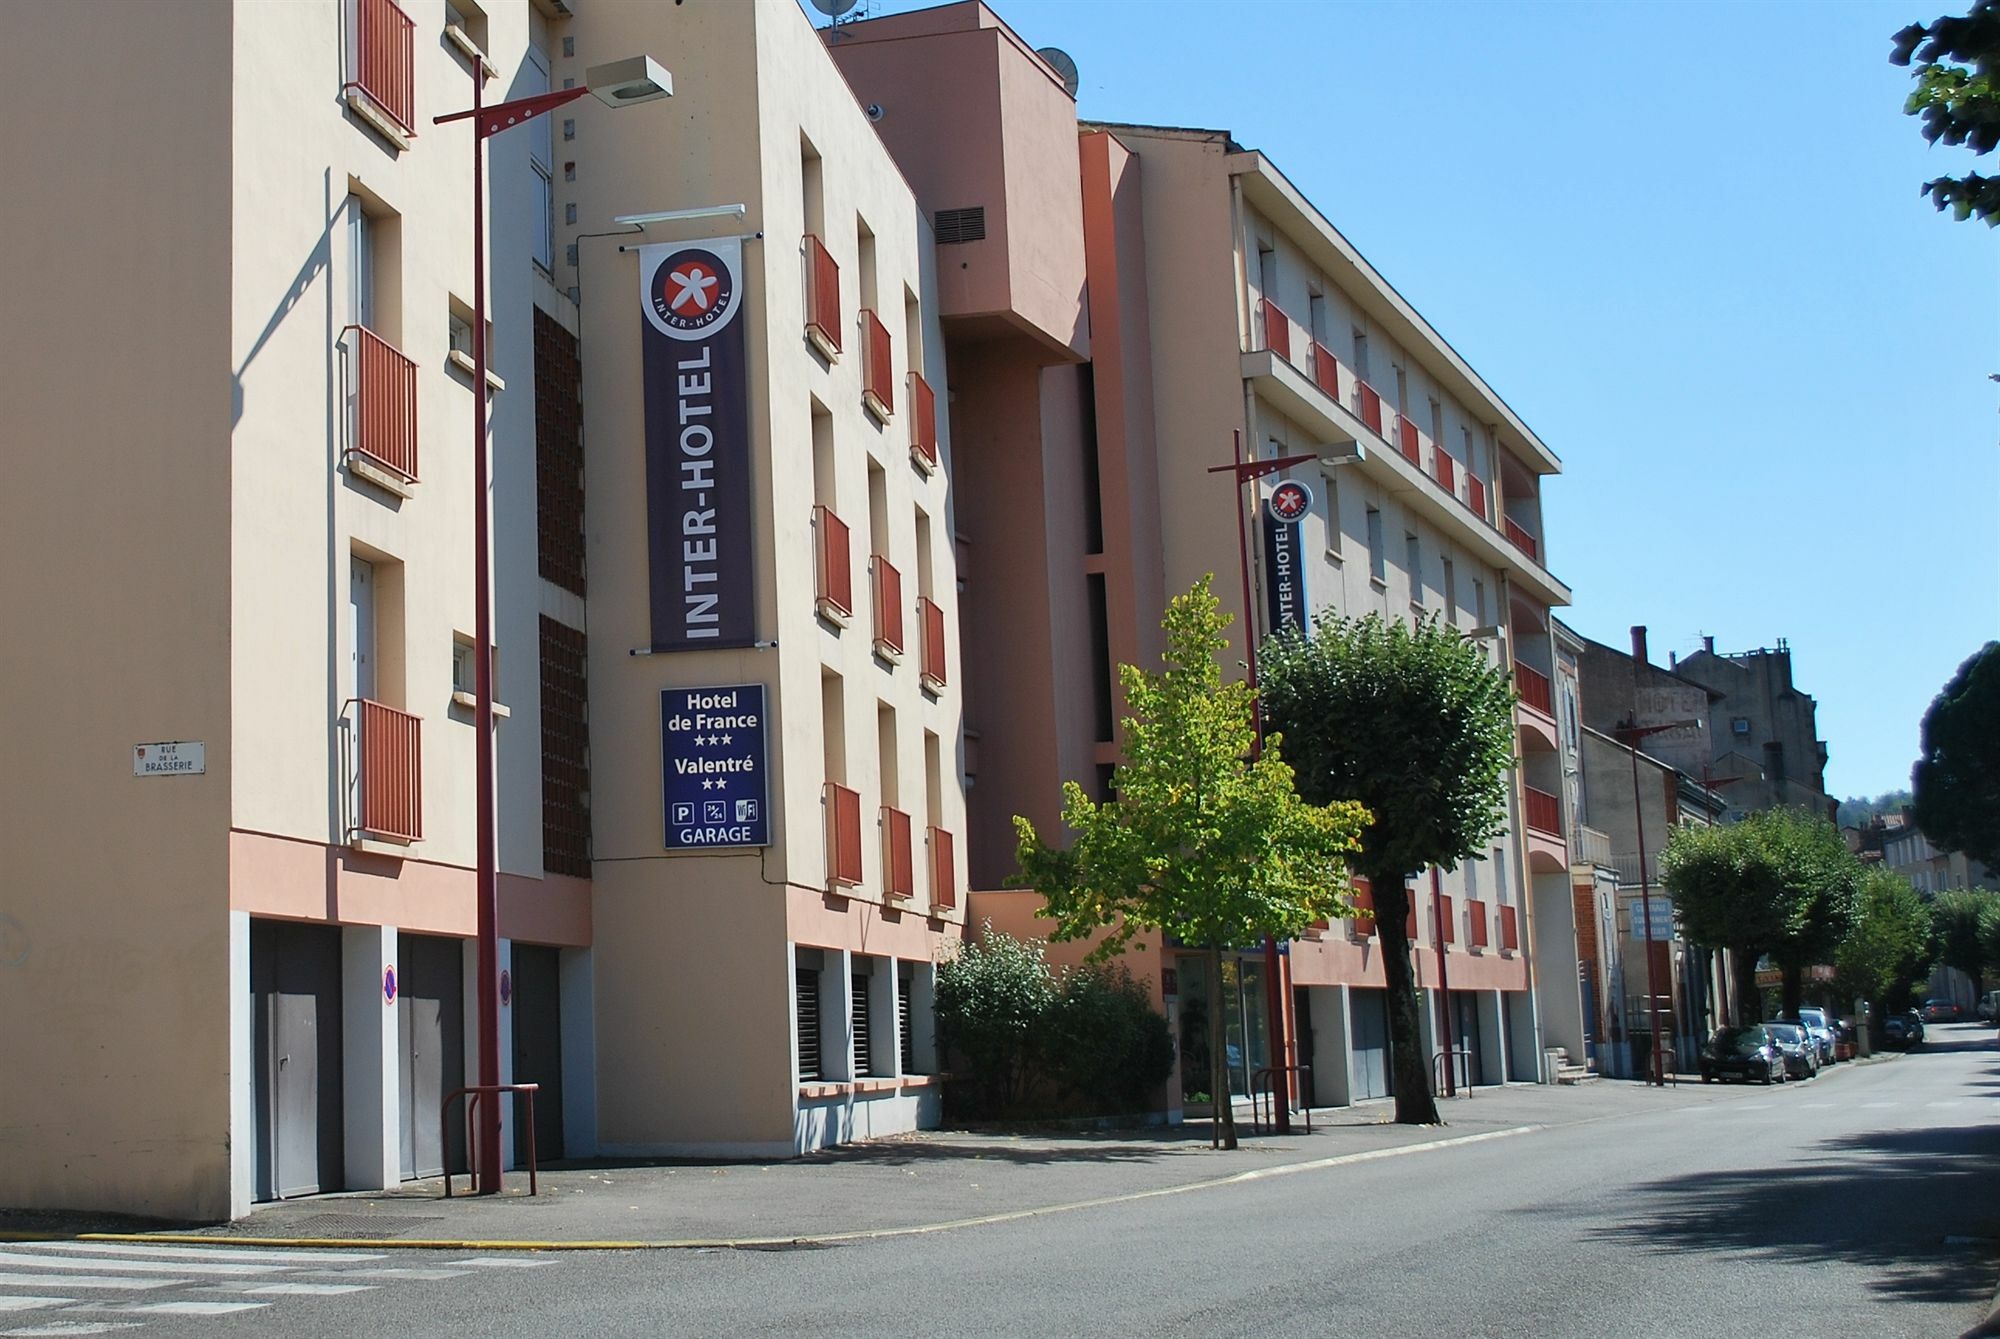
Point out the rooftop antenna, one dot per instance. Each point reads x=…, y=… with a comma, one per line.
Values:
x=1059, y=61
x=834, y=9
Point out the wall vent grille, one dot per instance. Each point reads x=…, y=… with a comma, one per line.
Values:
x=961, y=225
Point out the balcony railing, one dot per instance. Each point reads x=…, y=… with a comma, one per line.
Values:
x=930, y=622
x=1475, y=494
x=833, y=564
x=1510, y=930
x=1476, y=921
x=923, y=422
x=888, y=606
x=381, y=59
x=878, y=390
x=1447, y=922
x=1544, y=812
x=944, y=869
x=1277, y=328
x=1588, y=846
x=822, y=296
x=1535, y=688
x=384, y=387
x=1521, y=539
x=1446, y=469
x=1364, y=909
x=1406, y=441
x=899, y=879
x=1371, y=408
x=390, y=763
x=1326, y=371
x=843, y=835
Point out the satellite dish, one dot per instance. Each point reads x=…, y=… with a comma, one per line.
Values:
x=833, y=9
x=1058, y=59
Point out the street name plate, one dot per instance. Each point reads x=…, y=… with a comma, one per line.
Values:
x=176, y=758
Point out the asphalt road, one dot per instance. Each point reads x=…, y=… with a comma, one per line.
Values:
x=1864, y=1203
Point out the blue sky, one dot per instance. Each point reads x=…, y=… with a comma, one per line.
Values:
x=1685, y=242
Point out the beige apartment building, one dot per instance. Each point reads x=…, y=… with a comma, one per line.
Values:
x=237, y=958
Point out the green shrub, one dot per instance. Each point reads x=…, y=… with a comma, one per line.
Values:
x=1104, y=1045
x=992, y=998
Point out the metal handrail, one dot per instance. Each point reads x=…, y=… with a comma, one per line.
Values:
x=473, y=1093
x=1269, y=1075
x=1463, y=1063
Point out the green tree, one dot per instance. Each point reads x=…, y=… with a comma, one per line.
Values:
x=1963, y=922
x=1958, y=97
x=1781, y=882
x=1887, y=949
x=1957, y=777
x=1418, y=725
x=1200, y=841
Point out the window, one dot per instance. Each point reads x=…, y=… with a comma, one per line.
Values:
x=1402, y=391
x=805, y=1012
x=1330, y=485
x=1360, y=353
x=541, y=159
x=1437, y=423
x=907, y=1040
x=1478, y=603
x=1450, y=593
x=861, y=1012
x=1100, y=658
x=1413, y=561
x=565, y=749
x=864, y=250
x=470, y=22
x=1377, y=561
x=558, y=454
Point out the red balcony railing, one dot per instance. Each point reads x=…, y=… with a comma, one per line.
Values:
x=1544, y=812
x=1476, y=914
x=1364, y=909
x=944, y=869
x=391, y=764
x=899, y=879
x=833, y=563
x=1447, y=922
x=1510, y=931
x=1535, y=689
x=382, y=59
x=930, y=621
x=843, y=835
x=385, y=402
x=877, y=388
x=1326, y=371
x=1371, y=408
x=1277, y=328
x=1410, y=920
x=1407, y=442
x=822, y=295
x=888, y=605
x=923, y=420
x=1447, y=470
x=1521, y=539
x=1475, y=494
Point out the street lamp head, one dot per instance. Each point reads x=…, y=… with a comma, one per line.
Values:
x=623, y=83
x=1343, y=453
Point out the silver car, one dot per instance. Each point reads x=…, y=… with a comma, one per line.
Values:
x=1824, y=1034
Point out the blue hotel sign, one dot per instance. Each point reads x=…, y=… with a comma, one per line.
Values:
x=713, y=758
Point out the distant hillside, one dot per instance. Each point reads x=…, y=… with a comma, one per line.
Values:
x=1857, y=810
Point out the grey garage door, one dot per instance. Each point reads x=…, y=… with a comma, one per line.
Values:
x=295, y=1011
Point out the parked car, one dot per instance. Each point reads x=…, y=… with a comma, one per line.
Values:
x=1903, y=1031
x=1989, y=1006
x=1942, y=1011
x=1816, y=1022
x=1797, y=1046
x=1742, y=1053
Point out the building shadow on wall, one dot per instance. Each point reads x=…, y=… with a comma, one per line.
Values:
x=1887, y=1201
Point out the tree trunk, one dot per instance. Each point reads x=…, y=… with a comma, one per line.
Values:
x=1223, y=1123
x=1414, y=1103
x=1793, y=989
x=1749, y=1000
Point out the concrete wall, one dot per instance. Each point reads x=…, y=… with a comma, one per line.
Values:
x=114, y=941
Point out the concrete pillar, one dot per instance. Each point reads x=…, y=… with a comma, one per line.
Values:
x=371, y=1056
x=579, y=1054
x=836, y=1014
x=242, y=1071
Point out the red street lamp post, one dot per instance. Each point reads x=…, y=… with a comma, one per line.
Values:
x=619, y=84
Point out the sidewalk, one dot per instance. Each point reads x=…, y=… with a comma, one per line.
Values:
x=916, y=1183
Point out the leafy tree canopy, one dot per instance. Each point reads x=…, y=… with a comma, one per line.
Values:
x=1860, y=810
x=1888, y=947
x=1963, y=931
x=1957, y=777
x=1958, y=97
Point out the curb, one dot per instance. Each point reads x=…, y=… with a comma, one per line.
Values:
x=779, y=1243
x=1990, y=1327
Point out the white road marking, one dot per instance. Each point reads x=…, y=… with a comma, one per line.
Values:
x=505, y=1262
x=186, y=1308
x=1880, y=1106
x=299, y=1289
x=83, y=1281
x=1815, y=1106
x=46, y=1261
x=1952, y=1102
x=202, y=1252
x=32, y=1303
x=425, y=1274
x=73, y=1327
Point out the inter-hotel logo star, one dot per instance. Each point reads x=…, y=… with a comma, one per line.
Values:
x=691, y=290
x=691, y=285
